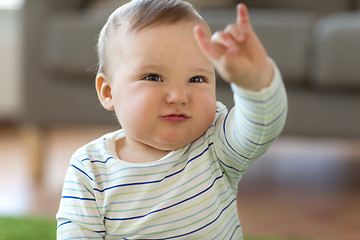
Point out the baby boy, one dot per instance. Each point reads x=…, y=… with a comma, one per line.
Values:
x=171, y=171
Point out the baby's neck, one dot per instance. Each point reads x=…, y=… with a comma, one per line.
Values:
x=138, y=153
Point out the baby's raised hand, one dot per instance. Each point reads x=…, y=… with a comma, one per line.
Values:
x=237, y=53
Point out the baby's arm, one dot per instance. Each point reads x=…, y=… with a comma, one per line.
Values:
x=78, y=216
x=237, y=53
x=249, y=129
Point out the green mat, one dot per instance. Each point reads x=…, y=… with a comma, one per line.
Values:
x=36, y=228
x=27, y=228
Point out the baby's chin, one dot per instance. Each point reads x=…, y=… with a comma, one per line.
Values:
x=171, y=145
x=176, y=140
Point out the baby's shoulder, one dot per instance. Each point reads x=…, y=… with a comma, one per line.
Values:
x=98, y=150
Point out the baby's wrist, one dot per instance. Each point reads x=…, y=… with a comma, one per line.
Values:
x=262, y=79
x=265, y=76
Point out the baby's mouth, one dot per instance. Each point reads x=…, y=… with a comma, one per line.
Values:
x=177, y=117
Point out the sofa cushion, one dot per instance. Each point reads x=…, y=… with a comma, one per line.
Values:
x=336, y=51
x=320, y=6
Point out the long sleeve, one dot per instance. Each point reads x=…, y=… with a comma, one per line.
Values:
x=78, y=216
x=249, y=129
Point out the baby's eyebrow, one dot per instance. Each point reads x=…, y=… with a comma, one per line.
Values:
x=151, y=66
x=204, y=70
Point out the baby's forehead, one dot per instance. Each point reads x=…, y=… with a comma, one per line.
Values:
x=155, y=43
x=131, y=27
x=126, y=30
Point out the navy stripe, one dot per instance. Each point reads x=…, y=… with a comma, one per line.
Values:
x=79, y=198
x=97, y=161
x=262, y=144
x=237, y=170
x=85, y=159
x=64, y=223
x=224, y=129
x=168, y=207
x=155, y=181
x=72, y=165
x=237, y=227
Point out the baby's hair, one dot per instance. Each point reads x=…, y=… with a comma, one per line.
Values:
x=140, y=14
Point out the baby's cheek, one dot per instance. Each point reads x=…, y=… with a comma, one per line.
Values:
x=209, y=111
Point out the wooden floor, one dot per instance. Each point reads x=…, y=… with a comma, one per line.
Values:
x=302, y=188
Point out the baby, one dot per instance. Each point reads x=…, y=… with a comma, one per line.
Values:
x=172, y=171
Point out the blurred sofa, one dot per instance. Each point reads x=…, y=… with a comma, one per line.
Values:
x=316, y=45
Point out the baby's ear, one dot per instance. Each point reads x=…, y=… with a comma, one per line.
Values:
x=103, y=90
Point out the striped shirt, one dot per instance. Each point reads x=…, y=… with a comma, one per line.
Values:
x=188, y=194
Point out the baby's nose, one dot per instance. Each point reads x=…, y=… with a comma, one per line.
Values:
x=178, y=94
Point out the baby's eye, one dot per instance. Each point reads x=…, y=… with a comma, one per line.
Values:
x=153, y=77
x=197, y=79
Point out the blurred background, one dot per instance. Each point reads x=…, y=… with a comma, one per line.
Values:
x=307, y=186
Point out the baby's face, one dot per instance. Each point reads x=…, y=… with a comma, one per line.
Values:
x=163, y=86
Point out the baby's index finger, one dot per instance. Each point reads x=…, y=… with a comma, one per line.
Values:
x=201, y=37
x=203, y=40
x=242, y=15
x=211, y=49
